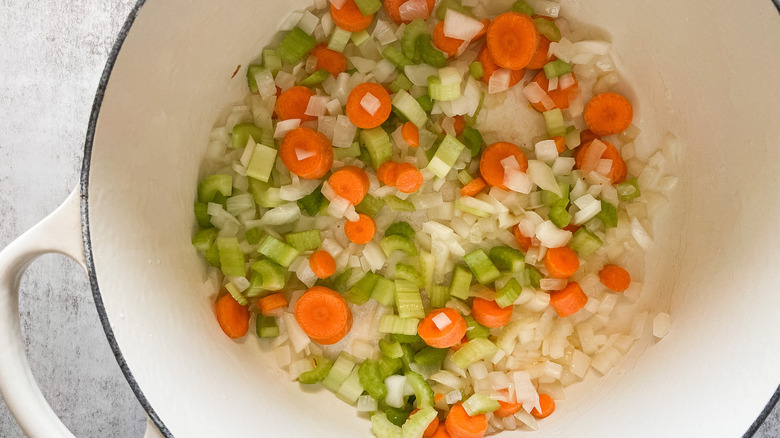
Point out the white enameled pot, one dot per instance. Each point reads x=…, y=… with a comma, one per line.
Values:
x=705, y=71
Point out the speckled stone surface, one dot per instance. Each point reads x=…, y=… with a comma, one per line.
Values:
x=51, y=57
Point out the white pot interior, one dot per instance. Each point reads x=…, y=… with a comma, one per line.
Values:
x=707, y=74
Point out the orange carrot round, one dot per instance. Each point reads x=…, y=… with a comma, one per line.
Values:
x=474, y=187
x=309, y=142
x=459, y=125
x=541, y=56
x=522, y=240
x=608, y=114
x=331, y=60
x=387, y=173
x=232, y=317
x=507, y=408
x=432, y=427
x=512, y=39
x=361, y=231
x=358, y=115
x=615, y=278
x=408, y=178
x=392, y=9
x=483, y=31
x=561, y=262
x=490, y=314
x=490, y=163
x=322, y=264
x=489, y=67
x=461, y=425
x=410, y=134
x=547, y=404
x=569, y=300
x=561, y=97
x=271, y=302
x=350, y=18
x=449, y=46
x=292, y=104
x=617, y=172
x=447, y=336
x=323, y=315
x=351, y=183
x=441, y=432
x=560, y=143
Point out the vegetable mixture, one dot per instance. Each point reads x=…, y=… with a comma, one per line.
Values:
x=432, y=211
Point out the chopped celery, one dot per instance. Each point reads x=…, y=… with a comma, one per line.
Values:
x=426, y=103
x=242, y=132
x=339, y=39
x=315, y=78
x=295, y=45
x=461, y=282
x=473, y=351
x=585, y=242
x=398, y=204
x=397, y=243
x=402, y=229
x=203, y=239
x=430, y=54
x=521, y=7
x=384, y=291
x=484, y=269
x=554, y=69
x=396, y=324
x=412, y=32
x=400, y=83
x=237, y=295
x=480, y=404
x=312, y=203
x=212, y=255
x=470, y=205
x=272, y=61
x=398, y=114
x=410, y=108
x=551, y=198
x=378, y=144
x=473, y=140
x=351, y=152
x=507, y=259
x=415, y=340
x=274, y=276
x=406, y=272
x=265, y=195
x=231, y=258
x=608, y=214
x=339, y=371
x=439, y=296
x=350, y=390
x=368, y=7
x=397, y=58
x=389, y=365
x=548, y=28
x=474, y=329
x=321, y=370
x=266, y=327
x=253, y=235
x=628, y=190
x=262, y=163
x=476, y=70
x=361, y=291
x=390, y=349
x=339, y=283
x=371, y=379
x=370, y=205
x=430, y=356
x=251, y=71
x=446, y=155
x=358, y=38
x=555, y=123
x=427, y=266
x=455, y=5
x=398, y=417
x=408, y=300
x=213, y=184
x=418, y=423
x=559, y=216
x=443, y=92
x=509, y=293
x=278, y=251
x=534, y=276
x=220, y=199
x=408, y=356
x=255, y=288
x=202, y=215
x=464, y=177
x=304, y=240
x=422, y=391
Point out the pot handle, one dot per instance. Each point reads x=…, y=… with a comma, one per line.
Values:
x=60, y=232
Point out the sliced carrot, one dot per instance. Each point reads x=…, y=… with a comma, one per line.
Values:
x=387, y=173
x=331, y=60
x=408, y=178
x=323, y=315
x=507, y=408
x=361, y=231
x=561, y=97
x=448, y=45
x=292, y=104
x=474, y=187
x=432, y=427
x=459, y=125
x=351, y=183
x=608, y=114
x=490, y=166
x=392, y=9
x=547, y=404
x=307, y=142
x=560, y=143
x=569, y=300
x=271, y=302
x=522, y=240
x=445, y=337
x=561, y=262
x=437, y=397
x=615, y=278
x=588, y=136
x=441, y=432
x=232, y=317
x=410, y=134
x=349, y=17
x=489, y=67
x=618, y=171
x=322, y=264
x=490, y=314
x=512, y=39
x=541, y=55
x=461, y=425
x=358, y=115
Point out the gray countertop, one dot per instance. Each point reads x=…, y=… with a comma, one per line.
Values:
x=51, y=56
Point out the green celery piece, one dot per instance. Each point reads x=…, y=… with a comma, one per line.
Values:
x=265, y=194
x=585, y=242
x=446, y=155
x=554, y=69
x=628, y=190
x=507, y=259
x=371, y=379
x=295, y=45
x=551, y=198
x=266, y=327
x=242, y=132
x=397, y=58
x=480, y=404
x=400, y=83
x=253, y=235
x=339, y=371
x=402, y=229
x=358, y=38
x=255, y=288
x=202, y=215
x=390, y=349
x=212, y=255
x=408, y=300
x=418, y=423
x=370, y=205
x=339, y=39
x=278, y=251
x=368, y=7
x=262, y=163
x=384, y=291
x=476, y=70
x=430, y=356
x=412, y=31
x=464, y=177
x=415, y=340
x=236, y=294
x=213, y=184
x=509, y=293
x=396, y=324
x=397, y=417
x=378, y=144
x=231, y=258
x=408, y=357
x=555, y=124
x=389, y=366
x=484, y=269
x=351, y=152
x=407, y=272
x=426, y=103
x=361, y=291
x=534, y=276
x=475, y=350
x=319, y=373
x=439, y=296
x=273, y=275
x=398, y=204
x=521, y=7
x=312, y=202
x=455, y=5
x=203, y=239
x=409, y=108
x=304, y=240
x=395, y=242
x=429, y=54
x=461, y=282
x=340, y=281
x=474, y=329
x=422, y=391
x=220, y=199
x=559, y=216
x=315, y=78
x=271, y=61
x=548, y=28
x=251, y=71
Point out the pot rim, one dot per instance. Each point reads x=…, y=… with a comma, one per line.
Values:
x=90, y=264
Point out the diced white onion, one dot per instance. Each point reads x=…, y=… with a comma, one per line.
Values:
x=384, y=33
x=338, y=206
x=546, y=151
x=662, y=324
x=285, y=126
x=338, y=4
x=461, y=26
x=551, y=236
x=499, y=80
x=317, y=106
x=291, y=21
x=563, y=165
x=552, y=84
x=306, y=275
x=374, y=256
x=413, y=9
x=536, y=94
x=542, y=175
x=363, y=65
x=395, y=391
x=640, y=234
x=298, y=338
x=525, y=391
x=552, y=283
x=370, y=103
x=453, y=397
x=343, y=132
x=442, y=321
x=588, y=206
